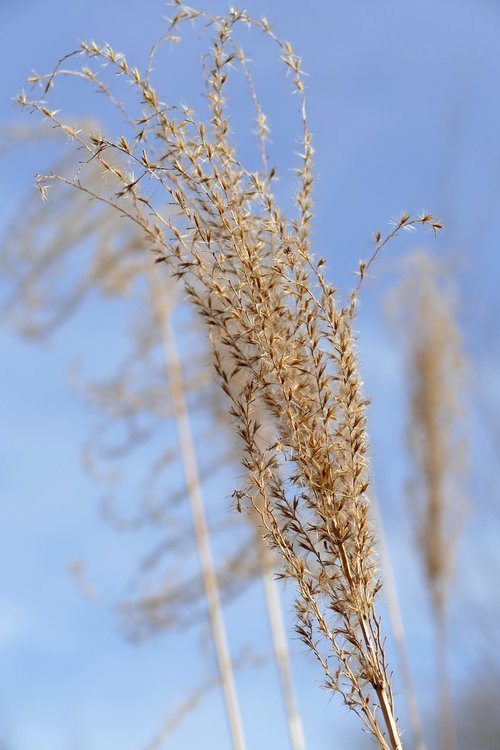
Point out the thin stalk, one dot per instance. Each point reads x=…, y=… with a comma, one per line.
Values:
x=200, y=525
x=384, y=699
x=397, y=629
x=446, y=733
x=280, y=647
x=382, y=690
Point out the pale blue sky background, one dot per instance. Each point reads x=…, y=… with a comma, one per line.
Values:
x=404, y=103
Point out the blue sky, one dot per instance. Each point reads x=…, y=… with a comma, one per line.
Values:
x=404, y=105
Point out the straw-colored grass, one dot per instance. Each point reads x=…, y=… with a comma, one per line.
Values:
x=282, y=341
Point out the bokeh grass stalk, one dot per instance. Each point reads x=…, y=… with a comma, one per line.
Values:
x=200, y=524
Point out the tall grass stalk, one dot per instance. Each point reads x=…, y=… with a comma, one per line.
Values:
x=280, y=648
x=200, y=525
x=282, y=341
x=398, y=632
x=435, y=366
